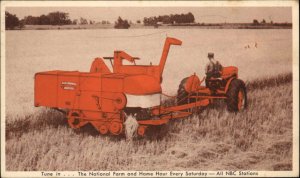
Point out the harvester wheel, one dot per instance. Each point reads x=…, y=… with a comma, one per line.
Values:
x=141, y=130
x=115, y=127
x=236, y=96
x=182, y=93
x=75, y=121
x=103, y=129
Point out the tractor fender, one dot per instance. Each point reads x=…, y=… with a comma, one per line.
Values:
x=192, y=83
x=228, y=84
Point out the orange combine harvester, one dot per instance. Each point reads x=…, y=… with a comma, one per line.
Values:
x=105, y=98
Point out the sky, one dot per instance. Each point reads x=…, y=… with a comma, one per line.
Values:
x=201, y=14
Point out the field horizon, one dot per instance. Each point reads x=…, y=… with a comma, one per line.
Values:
x=163, y=26
x=259, y=138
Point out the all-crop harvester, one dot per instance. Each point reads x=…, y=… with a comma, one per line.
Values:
x=105, y=98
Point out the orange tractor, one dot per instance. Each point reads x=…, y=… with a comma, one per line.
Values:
x=105, y=98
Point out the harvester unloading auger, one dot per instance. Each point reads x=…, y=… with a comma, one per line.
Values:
x=104, y=98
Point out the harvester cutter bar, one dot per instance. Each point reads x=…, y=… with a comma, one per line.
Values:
x=154, y=122
x=165, y=118
x=177, y=115
x=209, y=97
x=203, y=102
x=173, y=112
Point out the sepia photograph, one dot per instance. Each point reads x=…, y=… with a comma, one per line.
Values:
x=149, y=89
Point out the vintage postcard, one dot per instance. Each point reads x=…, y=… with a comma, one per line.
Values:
x=149, y=88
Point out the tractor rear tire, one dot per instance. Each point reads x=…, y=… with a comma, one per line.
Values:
x=182, y=93
x=236, y=96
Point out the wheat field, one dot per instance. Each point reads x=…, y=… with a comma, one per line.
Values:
x=32, y=51
x=259, y=138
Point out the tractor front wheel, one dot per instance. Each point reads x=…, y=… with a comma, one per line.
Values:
x=236, y=96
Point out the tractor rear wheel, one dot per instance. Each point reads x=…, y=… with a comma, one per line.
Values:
x=236, y=96
x=182, y=94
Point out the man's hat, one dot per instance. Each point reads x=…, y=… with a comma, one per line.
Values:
x=210, y=55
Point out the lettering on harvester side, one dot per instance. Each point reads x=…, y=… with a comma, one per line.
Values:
x=68, y=85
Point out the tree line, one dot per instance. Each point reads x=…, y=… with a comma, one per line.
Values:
x=12, y=21
x=265, y=23
x=121, y=24
x=62, y=18
x=170, y=19
x=53, y=18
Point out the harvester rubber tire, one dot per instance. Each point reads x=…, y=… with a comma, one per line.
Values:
x=182, y=93
x=236, y=86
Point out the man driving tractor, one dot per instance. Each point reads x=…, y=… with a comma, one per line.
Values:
x=213, y=68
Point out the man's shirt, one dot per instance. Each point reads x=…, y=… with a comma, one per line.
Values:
x=213, y=67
